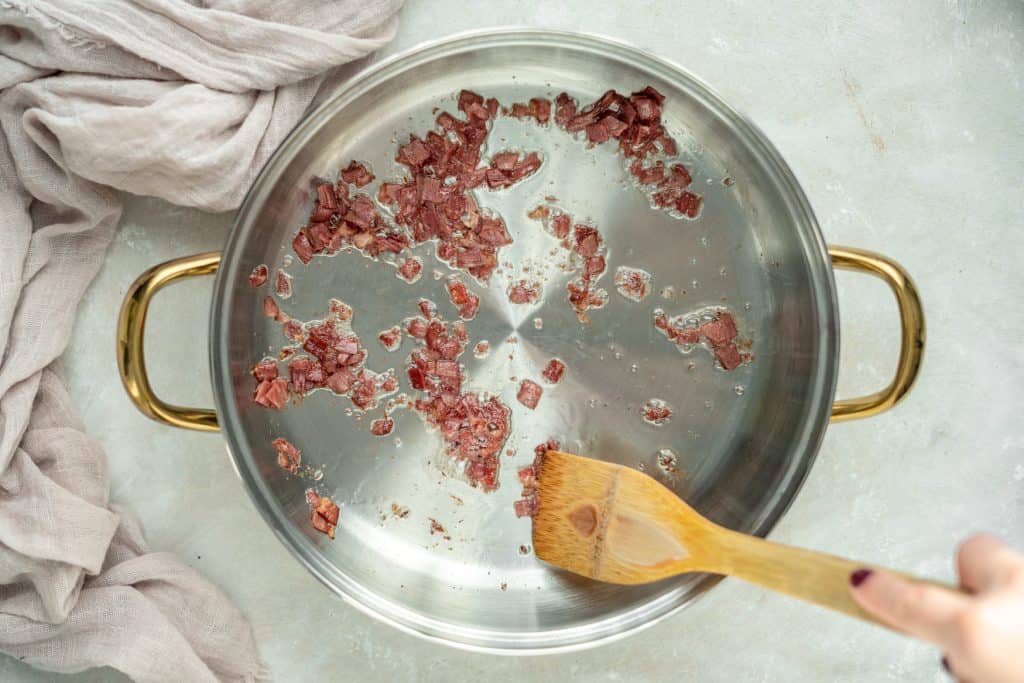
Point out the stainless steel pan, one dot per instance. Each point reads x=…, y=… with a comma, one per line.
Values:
x=744, y=440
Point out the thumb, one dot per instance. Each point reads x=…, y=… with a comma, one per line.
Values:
x=918, y=609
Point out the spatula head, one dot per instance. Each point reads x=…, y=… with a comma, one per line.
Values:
x=612, y=523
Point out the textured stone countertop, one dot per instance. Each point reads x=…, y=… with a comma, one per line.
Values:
x=903, y=121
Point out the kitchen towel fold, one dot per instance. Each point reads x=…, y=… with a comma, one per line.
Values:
x=182, y=100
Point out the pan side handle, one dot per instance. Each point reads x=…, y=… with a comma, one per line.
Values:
x=912, y=332
x=131, y=326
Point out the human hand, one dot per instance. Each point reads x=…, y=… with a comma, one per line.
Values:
x=982, y=632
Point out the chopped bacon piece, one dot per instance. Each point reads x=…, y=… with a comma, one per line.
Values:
x=525, y=507
x=529, y=393
x=288, y=456
x=565, y=109
x=467, y=302
x=474, y=428
x=523, y=293
x=632, y=283
x=382, y=426
x=554, y=370
x=283, y=284
x=729, y=356
x=678, y=177
x=720, y=334
x=504, y=161
x=560, y=225
x=272, y=393
x=258, y=276
x=357, y=174
x=391, y=338
x=364, y=392
x=341, y=381
x=529, y=477
x=302, y=246
x=539, y=212
x=340, y=309
x=293, y=330
x=264, y=370
x=648, y=175
x=323, y=513
x=540, y=109
x=722, y=330
x=688, y=204
x=656, y=411
x=598, y=133
x=410, y=269
x=270, y=308
x=413, y=154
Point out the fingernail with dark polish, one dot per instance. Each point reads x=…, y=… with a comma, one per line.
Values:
x=857, y=577
x=945, y=665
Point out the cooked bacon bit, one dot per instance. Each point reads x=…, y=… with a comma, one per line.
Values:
x=632, y=283
x=565, y=109
x=464, y=300
x=635, y=121
x=539, y=212
x=656, y=411
x=272, y=393
x=523, y=293
x=283, y=284
x=391, y=339
x=586, y=242
x=560, y=225
x=293, y=330
x=270, y=308
x=323, y=513
x=382, y=426
x=648, y=175
x=720, y=334
x=540, y=109
x=341, y=381
x=258, y=276
x=525, y=507
x=301, y=245
x=688, y=204
x=678, y=177
x=554, y=370
x=338, y=220
x=265, y=369
x=340, y=310
x=474, y=428
x=529, y=393
x=416, y=328
x=729, y=357
x=529, y=477
x=434, y=202
x=364, y=392
x=288, y=456
x=436, y=527
x=357, y=174
x=399, y=511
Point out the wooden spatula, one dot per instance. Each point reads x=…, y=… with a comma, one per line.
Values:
x=614, y=524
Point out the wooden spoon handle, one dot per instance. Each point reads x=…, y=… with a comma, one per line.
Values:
x=811, y=576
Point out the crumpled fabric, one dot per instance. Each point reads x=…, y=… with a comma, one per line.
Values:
x=169, y=98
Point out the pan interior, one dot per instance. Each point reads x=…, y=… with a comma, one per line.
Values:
x=743, y=439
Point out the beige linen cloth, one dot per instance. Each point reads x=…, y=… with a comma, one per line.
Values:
x=176, y=99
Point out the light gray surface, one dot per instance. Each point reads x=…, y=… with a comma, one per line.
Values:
x=903, y=122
